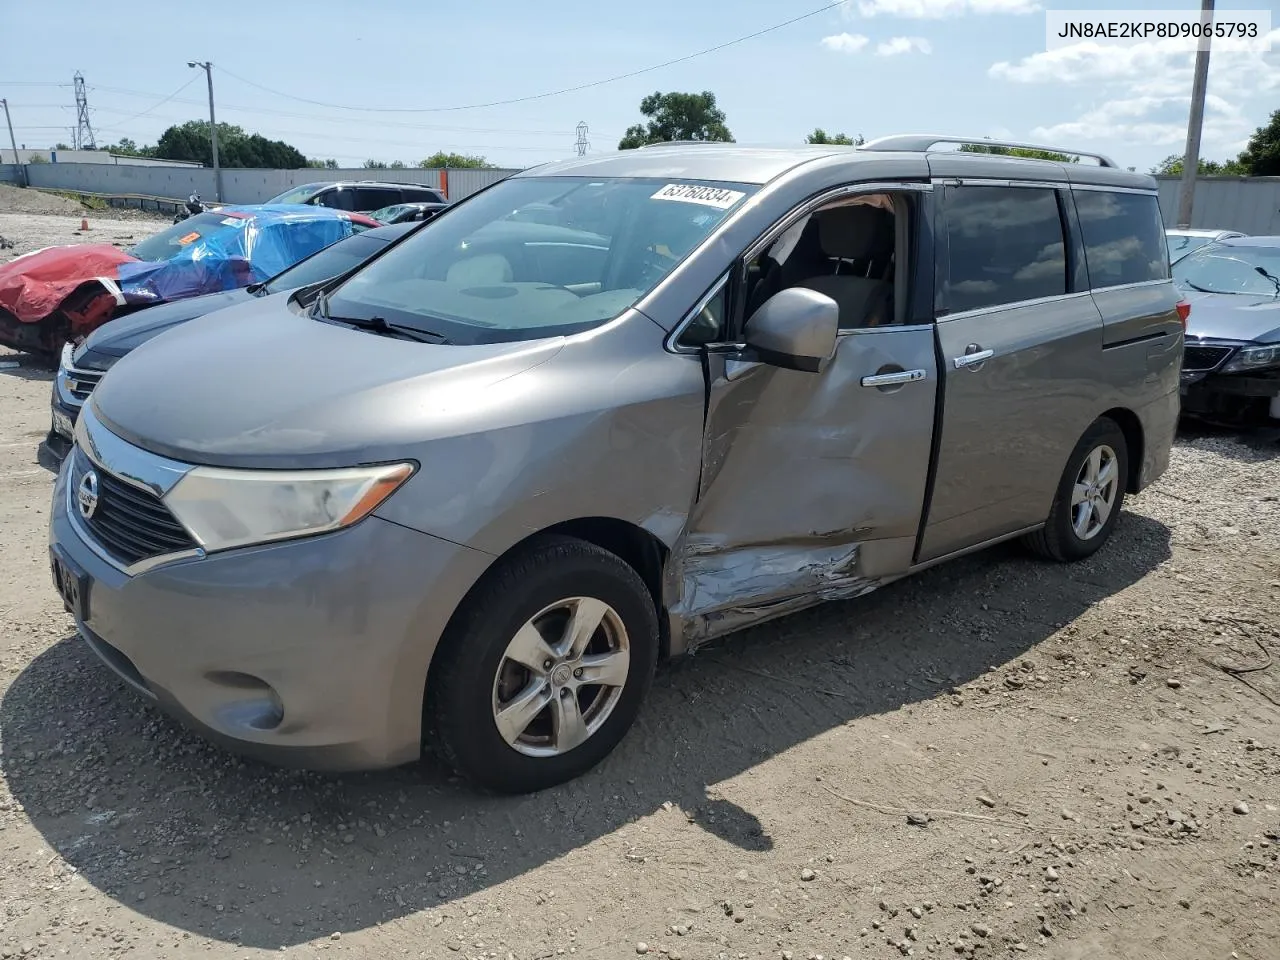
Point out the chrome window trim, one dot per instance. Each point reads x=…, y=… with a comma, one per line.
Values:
x=1014, y=305
x=1104, y=188
x=1000, y=182
x=1131, y=286
x=132, y=465
x=671, y=344
x=885, y=328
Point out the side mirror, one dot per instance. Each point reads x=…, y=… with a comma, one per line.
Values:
x=796, y=329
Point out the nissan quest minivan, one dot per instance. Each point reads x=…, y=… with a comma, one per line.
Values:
x=471, y=493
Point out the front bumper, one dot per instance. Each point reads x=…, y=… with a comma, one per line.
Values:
x=1233, y=398
x=310, y=653
x=64, y=410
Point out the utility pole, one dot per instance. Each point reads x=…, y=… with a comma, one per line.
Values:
x=1195, y=122
x=13, y=142
x=213, y=127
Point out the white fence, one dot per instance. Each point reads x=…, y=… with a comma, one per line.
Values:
x=239, y=185
x=1248, y=204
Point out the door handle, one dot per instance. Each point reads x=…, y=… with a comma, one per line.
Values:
x=893, y=379
x=973, y=359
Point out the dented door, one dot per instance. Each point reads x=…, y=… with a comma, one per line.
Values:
x=812, y=484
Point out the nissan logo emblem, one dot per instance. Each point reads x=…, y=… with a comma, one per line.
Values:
x=87, y=494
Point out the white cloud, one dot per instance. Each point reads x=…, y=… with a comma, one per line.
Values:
x=845, y=42
x=900, y=45
x=1148, y=93
x=938, y=9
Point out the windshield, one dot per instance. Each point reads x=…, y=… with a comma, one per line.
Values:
x=333, y=260
x=1218, y=268
x=1181, y=245
x=169, y=241
x=489, y=272
x=297, y=195
x=385, y=214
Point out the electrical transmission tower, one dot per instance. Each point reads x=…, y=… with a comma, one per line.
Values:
x=582, y=143
x=82, y=136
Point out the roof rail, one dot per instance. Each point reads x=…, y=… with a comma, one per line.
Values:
x=680, y=143
x=923, y=142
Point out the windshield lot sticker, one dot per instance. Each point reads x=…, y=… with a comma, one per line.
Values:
x=716, y=197
x=189, y=238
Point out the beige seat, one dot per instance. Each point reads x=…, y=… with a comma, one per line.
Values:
x=849, y=235
x=481, y=270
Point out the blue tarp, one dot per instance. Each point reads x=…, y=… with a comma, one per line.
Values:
x=256, y=243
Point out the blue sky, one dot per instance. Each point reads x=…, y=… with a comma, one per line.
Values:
x=870, y=66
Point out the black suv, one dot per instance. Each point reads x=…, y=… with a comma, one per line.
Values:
x=359, y=196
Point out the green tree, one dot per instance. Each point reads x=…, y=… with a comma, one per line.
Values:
x=842, y=140
x=678, y=116
x=1024, y=152
x=1261, y=158
x=61, y=146
x=330, y=164
x=397, y=164
x=1171, y=166
x=454, y=161
x=37, y=158
x=128, y=148
x=190, y=142
x=374, y=165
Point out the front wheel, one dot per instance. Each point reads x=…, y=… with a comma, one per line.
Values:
x=1089, y=496
x=544, y=668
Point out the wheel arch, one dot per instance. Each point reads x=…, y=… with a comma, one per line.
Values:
x=1135, y=439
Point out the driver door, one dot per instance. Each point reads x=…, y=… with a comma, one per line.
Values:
x=812, y=484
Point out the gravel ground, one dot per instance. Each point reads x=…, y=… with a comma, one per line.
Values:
x=996, y=757
x=19, y=200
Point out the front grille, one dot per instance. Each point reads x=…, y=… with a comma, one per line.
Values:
x=82, y=382
x=131, y=523
x=1204, y=359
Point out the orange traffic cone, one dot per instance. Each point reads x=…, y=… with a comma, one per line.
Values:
x=84, y=224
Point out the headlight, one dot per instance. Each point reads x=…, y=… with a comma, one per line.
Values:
x=1254, y=358
x=64, y=361
x=233, y=508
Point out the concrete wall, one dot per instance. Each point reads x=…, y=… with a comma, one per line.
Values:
x=86, y=156
x=1248, y=204
x=238, y=185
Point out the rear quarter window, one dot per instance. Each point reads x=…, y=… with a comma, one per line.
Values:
x=1124, y=238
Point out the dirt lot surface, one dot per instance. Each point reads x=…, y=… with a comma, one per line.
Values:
x=19, y=200
x=25, y=231
x=996, y=758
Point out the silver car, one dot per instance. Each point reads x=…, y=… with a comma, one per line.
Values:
x=473, y=493
x=1183, y=240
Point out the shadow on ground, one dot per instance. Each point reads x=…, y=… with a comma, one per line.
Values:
x=241, y=853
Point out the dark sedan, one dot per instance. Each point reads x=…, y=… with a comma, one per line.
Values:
x=82, y=367
x=1231, y=361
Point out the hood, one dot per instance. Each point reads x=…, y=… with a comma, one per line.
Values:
x=113, y=340
x=264, y=385
x=33, y=285
x=1231, y=316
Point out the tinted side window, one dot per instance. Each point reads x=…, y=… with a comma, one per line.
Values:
x=1124, y=239
x=421, y=195
x=1005, y=245
x=375, y=198
x=339, y=198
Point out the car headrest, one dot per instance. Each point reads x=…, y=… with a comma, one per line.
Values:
x=855, y=232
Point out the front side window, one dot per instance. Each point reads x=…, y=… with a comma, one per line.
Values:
x=1005, y=246
x=1124, y=239
x=339, y=198
x=1221, y=268
x=371, y=198
x=492, y=272
x=297, y=195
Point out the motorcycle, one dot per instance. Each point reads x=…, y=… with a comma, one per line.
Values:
x=193, y=206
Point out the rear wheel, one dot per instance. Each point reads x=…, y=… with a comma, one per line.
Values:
x=1089, y=497
x=544, y=669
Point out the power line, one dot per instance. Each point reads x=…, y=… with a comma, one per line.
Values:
x=551, y=93
x=160, y=103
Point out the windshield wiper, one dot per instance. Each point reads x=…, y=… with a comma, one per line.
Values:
x=1207, y=290
x=1273, y=279
x=383, y=326
x=320, y=305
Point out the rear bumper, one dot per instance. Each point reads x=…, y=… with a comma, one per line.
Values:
x=1159, y=425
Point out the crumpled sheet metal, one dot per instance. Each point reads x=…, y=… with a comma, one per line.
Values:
x=34, y=285
x=723, y=590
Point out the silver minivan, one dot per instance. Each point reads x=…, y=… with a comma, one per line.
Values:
x=598, y=414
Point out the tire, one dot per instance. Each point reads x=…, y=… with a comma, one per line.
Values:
x=474, y=677
x=1059, y=539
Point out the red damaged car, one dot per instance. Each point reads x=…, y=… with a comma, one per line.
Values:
x=60, y=294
